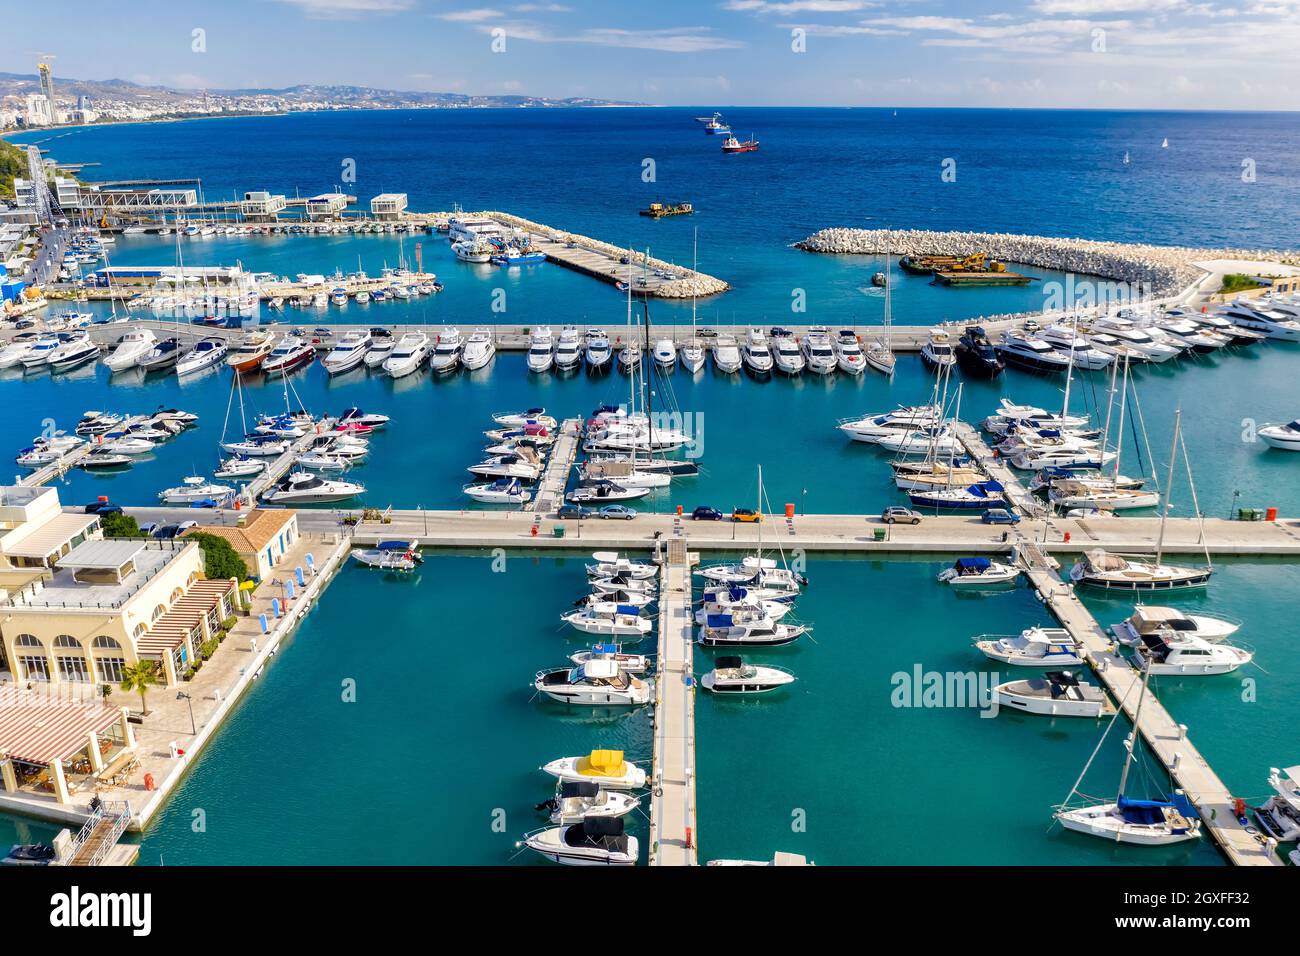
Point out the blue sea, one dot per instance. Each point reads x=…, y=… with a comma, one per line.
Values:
x=829, y=768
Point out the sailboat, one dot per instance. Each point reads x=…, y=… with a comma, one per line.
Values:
x=1129, y=820
x=879, y=355
x=692, y=356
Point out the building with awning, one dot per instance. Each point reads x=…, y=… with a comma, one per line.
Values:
x=41, y=545
x=49, y=745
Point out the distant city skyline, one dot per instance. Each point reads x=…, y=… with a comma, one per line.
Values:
x=1148, y=54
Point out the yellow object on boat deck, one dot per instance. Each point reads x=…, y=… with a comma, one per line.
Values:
x=602, y=763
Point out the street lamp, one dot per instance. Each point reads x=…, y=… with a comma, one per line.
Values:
x=189, y=701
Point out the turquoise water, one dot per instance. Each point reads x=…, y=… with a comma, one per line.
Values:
x=444, y=737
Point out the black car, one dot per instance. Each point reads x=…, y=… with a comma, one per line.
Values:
x=570, y=510
x=103, y=508
x=705, y=513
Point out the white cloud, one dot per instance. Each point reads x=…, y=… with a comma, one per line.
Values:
x=787, y=7
x=668, y=40
x=348, y=9
x=470, y=16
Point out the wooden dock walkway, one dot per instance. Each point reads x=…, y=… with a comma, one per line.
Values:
x=549, y=493
x=673, y=834
x=996, y=468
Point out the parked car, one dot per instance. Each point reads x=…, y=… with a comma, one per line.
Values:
x=169, y=531
x=705, y=513
x=999, y=516
x=748, y=515
x=617, y=511
x=897, y=514
x=103, y=508
x=570, y=510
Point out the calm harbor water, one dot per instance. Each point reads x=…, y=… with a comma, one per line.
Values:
x=828, y=768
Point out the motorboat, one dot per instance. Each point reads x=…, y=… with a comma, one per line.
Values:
x=541, y=350
x=290, y=353
x=596, y=350
x=503, y=491
x=301, y=487
x=175, y=416
x=568, y=349
x=606, y=767
x=1279, y=817
x=30, y=854
x=612, y=564
x=1275, y=325
x=976, y=355
x=1218, y=325
x=726, y=354
x=98, y=423
x=381, y=346
x=1135, y=338
x=786, y=355
x=607, y=619
x=756, y=570
x=664, y=353
x=390, y=556
x=756, y=355
x=819, y=353
x=531, y=416
x=1148, y=619
x=872, y=428
x=604, y=491
x=355, y=416
x=348, y=352
x=1033, y=647
x=37, y=355
x=622, y=471
x=1025, y=351
x=73, y=354
x=519, y=466
x=1070, y=456
x=600, y=841
x=1115, y=572
x=978, y=572
x=1011, y=416
x=631, y=663
x=722, y=630
x=1198, y=339
x=257, y=446
x=165, y=354
x=323, y=461
x=1075, y=347
x=120, y=443
x=252, y=348
x=848, y=353
x=1182, y=653
x=596, y=682
x=623, y=584
x=1285, y=437
x=17, y=348
x=446, y=351
x=732, y=675
x=125, y=352
x=479, y=349
x=977, y=497
x=937, y=352
x=579, y=800
x=407, y=355
x=104, y=461
x=1055, y=694
x=194, y=489
x=240, y=466
x=923, y=443
x=206, y=354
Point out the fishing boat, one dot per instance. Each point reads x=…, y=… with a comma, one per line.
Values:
x=407, y=356
x=600, y=841
x=301, y=487
x=446, y=353
x=390, y=556
x=348, y=352
x=579, y=800
x=978, y=572
x=206, y=354
x=732, y=675
x=976, y=355
x=597, y=681
x=503, y=491
x=1055, y=694
x=290, y=354
x=240, y=466
x=194, y=489
x=715, y=126
x=252, y=348
x=125, y=352
x=819, y=353
x=541, y=350
x=1033, y=647
x=734, y=145
x=848, y=353
x=596, y=350
x=726, y=354
x=608, y=619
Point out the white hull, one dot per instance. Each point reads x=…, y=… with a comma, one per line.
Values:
x=1104, y=821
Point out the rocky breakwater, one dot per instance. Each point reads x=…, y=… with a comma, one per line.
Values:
x=1160, y=270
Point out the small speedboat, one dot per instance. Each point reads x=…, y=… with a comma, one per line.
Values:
x=205, y=354
x=579, y=800
x=104, y=461
x=602, y=491
x=30, y=854
x=600, y=841
x=503, y=491
x=731, y=675
x=239, y=466
x=724, y=630
x=597, y=682
x=163, y=355
x=1033, y=647
x=390, y=555
x=520, y=466
x=978, y=572
x=370, y=420
x=606, y=767
x=532, y=416
x=192, y=489
x=610, y=564
x=301, y=487
x=1055, y=694
x=608, y=619
x=1286, y=437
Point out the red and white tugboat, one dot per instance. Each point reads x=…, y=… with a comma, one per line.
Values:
x=733, y=145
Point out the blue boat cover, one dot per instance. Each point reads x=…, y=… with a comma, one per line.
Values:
x=604, y=648
x=736, y=594
x=394, y=545
x=628, y=609
x=718, y=620
x=973, y=564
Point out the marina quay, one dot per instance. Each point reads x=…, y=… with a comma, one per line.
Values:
x=533, y=481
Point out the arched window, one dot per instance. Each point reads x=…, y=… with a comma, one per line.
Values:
x=194, y=576
x=158, y=612
x=63, y=640
x=105, y=641
x=26, y=640
x=139, y=630
x=177, y=595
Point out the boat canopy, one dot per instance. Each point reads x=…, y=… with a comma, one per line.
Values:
x=728, y=663
x=604, y=648
x=1104, y=561
x=1145, y=617
x=602, y=763
x=395, y=545
x=1064, y=678
x=579, y=788
x=753, y=562
x=601, y=668
x=627, y=609
x=986, y=489
x=718, y=620
x=972, y=564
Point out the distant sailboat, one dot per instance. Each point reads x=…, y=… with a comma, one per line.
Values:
x=1165, y=144
x=1125, y=157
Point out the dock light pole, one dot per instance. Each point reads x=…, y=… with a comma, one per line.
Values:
x=189, y=701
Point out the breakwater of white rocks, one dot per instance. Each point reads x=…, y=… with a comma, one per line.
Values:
x=1163, y=270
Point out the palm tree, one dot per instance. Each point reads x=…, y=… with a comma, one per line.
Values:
x=139, y=677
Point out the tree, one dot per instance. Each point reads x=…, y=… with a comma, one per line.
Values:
x=118, y=524
x=220, y=560
x=139, y=677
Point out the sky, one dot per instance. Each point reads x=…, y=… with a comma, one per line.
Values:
x=1147, y=54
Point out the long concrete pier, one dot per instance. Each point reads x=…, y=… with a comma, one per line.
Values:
x=673, y=838
x=549, y=492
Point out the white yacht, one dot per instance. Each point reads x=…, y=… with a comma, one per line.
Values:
x=206, y=354
x=1274, y=324
x=257, y=447
x=818, y=352
x=726, y=354
x=503, y=491
x=1148, y=619
x=732, y=675
x=479, y=349
x=937, y=352
x=73, y=354
x=1033, y=647
x=722, y=630
x=756, y=355
x=541, y=351
x=606, y=767
x=446, y=354
x=1279, y=817
x=126, y=351
x=664, y=353
x=239, y=466
x=872, y=428
x=1175, y=652
x=532, y=416
x=1076, y=348
x=786, y=354
x=632, y=663
x=381, y=346
x=760, y=571
x=301, y=487
x=1055, y=694
x=1028, y=352
x=568, y=349
x=390, y=556
x=1285, y=437
x=607, y=619
x=596, y=350
x=848, y=353
x=1115, y=572
x=408, y=355
x=600, y=841
x=578, y=800
x=610, y=564
x=521, y=465
x=978, y=572
x=1198, y=339
x=1135, y=338
x=194, y=489
x=923, y=443
x=597, y=681
x=348, y=352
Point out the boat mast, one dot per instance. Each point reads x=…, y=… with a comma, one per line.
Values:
x=1169, y=485
x=888, y=348
x=1110, y=405
x=1133, y=742
x=1119, y=440
x=695, y=267
x=1069, y=374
